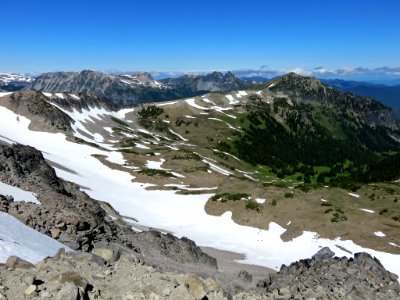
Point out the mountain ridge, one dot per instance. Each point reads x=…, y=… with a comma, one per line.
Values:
x=132, y=89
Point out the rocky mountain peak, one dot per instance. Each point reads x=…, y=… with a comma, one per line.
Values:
x=229, y=75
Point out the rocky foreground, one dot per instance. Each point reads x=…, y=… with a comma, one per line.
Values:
x=110, y=274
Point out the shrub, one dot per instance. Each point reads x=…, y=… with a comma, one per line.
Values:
x=383, y=211
x=289, y=195
x=230, y=196
x=339, y=216
x=253, y=205
x=155, y=172
x=119, y=121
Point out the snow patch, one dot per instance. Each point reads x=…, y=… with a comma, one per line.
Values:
x=60, y=95
x=17, y=193
x=75, y=96
x=2, y=94
x=367, y=210
x=24, y=242
x=379, y=233
x=354, y=195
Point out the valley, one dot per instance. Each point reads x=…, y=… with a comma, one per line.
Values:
x=173, y=166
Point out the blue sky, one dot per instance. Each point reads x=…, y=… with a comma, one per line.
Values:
x=187, y=35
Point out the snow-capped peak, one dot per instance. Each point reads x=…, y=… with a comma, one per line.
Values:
x=140, y=78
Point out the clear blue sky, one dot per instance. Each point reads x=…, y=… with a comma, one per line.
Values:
x=197, y=35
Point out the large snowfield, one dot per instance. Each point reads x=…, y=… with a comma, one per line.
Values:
x=183, y=215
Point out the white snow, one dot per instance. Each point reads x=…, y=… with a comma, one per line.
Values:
x=155, y=164
x=116, y=158
x=167, y=103
x=217, y=169
x=323, y=200
x=208, y=101
x=182, y=215
x=60, y=95
x=17, y=193
x=75, y=96
x=379, y=233
x=354, y=195
x=141, y=146
x=243, y=93
x=178, y=135
x=177, y=175
x=190, y=117
x=288, y=223
x=2, y=94
x=215, y=119
x=24, y=242
x=367, y=210
x=49, y=95
x=260, y=200
x=232, y=101
x=108, y=129
x=122, y=112
x=192, y=103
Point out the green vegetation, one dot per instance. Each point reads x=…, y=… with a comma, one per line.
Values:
x=339, y=216
x=156, y=172
x=274, y=202
x=128, y=142
x=81, y=141
x=317, y=144
x=119, y=121
x=230, y=196
x=383, y=211
x=253, y=205
x=150, y=112
x=289, y=195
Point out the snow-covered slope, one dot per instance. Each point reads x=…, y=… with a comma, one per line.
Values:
x=24, y=242
x=183, y=215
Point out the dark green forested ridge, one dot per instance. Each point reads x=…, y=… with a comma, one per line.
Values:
x=310, y=125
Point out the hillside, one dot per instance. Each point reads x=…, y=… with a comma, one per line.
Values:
x=184, y=167
x=388, y=95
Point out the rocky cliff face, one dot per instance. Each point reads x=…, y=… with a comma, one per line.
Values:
x=135, y=88
x=73, y=218
x=125, y=89
x=213, y=82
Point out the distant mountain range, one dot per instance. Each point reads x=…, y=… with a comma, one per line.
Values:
x=13, y=82
x=389, y=95
x=139, y=87
x=213, y=82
